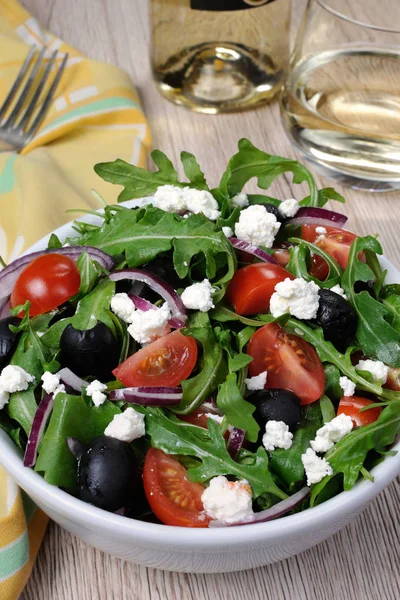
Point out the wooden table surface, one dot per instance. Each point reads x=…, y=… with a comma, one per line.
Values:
x=362, y=561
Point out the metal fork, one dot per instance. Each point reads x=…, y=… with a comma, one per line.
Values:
x=18, y=121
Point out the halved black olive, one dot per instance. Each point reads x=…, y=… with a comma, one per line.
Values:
x=108, y=475
x=93, y=352
x=276, y=405
x=337, y=319
x=8, y=339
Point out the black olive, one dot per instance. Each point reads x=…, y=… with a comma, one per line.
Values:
x=164, y=268
x=274, y=211
x=336, y=317
x=91, y=352
x=63, y=311
x=276, y=405
x=8, y=339
x=108, y=474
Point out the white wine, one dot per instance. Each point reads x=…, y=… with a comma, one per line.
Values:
x=342, y=108
x=219, y=55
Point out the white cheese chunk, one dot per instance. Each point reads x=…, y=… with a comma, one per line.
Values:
x=126, y=426
x=277, y=435
x=227, y=501
x=123, y=307
x=288, y=208
x=338, y=290
x=95, y=390
x=257, y=382
x=217, y=418
x=178, y=200
x=51, y=383
x=4, y=398
x=296, y=297
x=15, y=379
x=315, y=467
x=241, y=200
x=170, y=198
x=198, y=296
x=227, y=231
x=377, y=368
x=348, y=387
x=331, y=433
x=147, y=326
x=257, y=226
x=320, y=230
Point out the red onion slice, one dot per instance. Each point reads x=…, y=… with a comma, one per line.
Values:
x=159, y=286
x=254, y=250
x=148, y=396
x=278, y=510
x=235, y=441
x=10, y=273
x=317, y=216
x=4, y=308
x=71, y=380
x=39, y=423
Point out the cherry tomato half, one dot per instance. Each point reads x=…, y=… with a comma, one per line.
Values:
x=172, y=497
x=251, y=287
x=291, y=363
x=47, y=282
x=351, y=405
x=335, y=242
x=393, y=380
x=167, y=361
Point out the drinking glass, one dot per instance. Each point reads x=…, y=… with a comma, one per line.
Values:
x=341, y=101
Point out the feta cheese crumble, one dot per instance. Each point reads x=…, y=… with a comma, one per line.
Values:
x=315, y=467
x=95, y=390
x=257, y=382
x=51, y=383
x=320, y=230
x=147, y=326
x=123, y=307
x=288, y=208
x=126, y=426
x=176, y=199
x=227, y=501
x=4, y=398
x=227, y=231
x=377, y=368
x=217, y=418
x=198, y=296
x=296, y=297
x=348, y=387
x=240, y=200
x=277, y=435
x=338, y=290
x=331, y=433
x=15, y=379
x=257, y=226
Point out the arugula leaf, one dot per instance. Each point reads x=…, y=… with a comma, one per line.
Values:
x=138, y=182
x=327, y=409
x=54, y=242
x=377, y=338
x=324, y=196
x=298, y=264
x=237, y=411
x=287, y=464
x=332, y=382
x=212, y=365
x=349, y=454
x=88, y=270
x=239, y=361
x=71, y=417
x=143, y=234
x=224, y=314
x=392, y=303
x=251, y=162
x=178, y=439
x=193, y=171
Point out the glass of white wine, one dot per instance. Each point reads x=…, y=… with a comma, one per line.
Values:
x=341, y=101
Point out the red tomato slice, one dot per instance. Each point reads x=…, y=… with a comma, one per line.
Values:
x=166, y=362
x=291, y=363
x=351, y=405
x=393, y=380
x=282, y=256
x=172, y=497
x=335, y=242
x=47, y=282
x=251, y=287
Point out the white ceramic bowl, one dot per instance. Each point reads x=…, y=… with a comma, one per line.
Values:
x=196, y=550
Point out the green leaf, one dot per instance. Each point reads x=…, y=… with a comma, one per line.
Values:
x=89, y=273
x=251, y=162
x=22, y=407
x=193, y=171
x=324, y=196
x=223, y=315
x=287, y=464
x=237, y=411
x=298, y=264
x=392, y=303
x=144, y=233
x=349, y=454
x=377, y=338
x=71, y=417
x=327, y=409
x=54, y=242
x=138, y=182
x=239, y=361
x=212, y=368
x=261, y=199
x=178, y=439
x=332, y=382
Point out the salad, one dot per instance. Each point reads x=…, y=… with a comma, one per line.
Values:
x=211, y=358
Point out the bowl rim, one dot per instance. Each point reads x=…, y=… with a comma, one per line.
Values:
x=340, y=506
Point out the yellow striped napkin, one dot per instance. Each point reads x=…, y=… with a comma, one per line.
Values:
x=95, y=117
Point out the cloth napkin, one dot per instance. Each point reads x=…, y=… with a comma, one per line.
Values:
x=95, y=117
